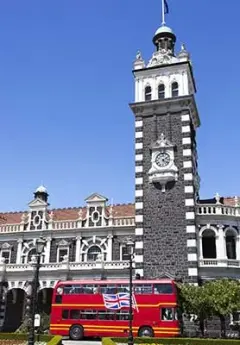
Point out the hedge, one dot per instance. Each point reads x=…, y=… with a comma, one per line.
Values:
x=170, y=341
x=49, y=339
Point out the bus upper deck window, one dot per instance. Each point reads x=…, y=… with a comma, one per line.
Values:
x=163, y=289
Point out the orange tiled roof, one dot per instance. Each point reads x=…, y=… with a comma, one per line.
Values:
x=124, y=210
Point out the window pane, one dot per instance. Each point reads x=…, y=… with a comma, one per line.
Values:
x=143, y=289
x=108, y=289
x=90, y=289
x=125, y=255
x=162, y=289
x=161, y=91
x=123, y=316
x=93, y=253
x=167, y=314
x=62, y=253
x=148, y=93
x=6, y=256
x=174, y=89
x=89, y=314
x=65, y=314
x=123, y=288
x=58, y=299
x=75, y=314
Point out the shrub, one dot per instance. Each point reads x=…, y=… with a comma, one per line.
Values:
x=171, y=341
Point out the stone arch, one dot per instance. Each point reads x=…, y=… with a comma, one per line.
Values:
x=231, y=235
x=208, y=236
x=45, y=300
x=15, y=306
x=28, y=251
x=91, y=242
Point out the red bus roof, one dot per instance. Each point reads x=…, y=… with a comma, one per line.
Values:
x=115, y=281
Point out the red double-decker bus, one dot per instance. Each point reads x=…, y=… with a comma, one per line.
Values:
x=101, y=308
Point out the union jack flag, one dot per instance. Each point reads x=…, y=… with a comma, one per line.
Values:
x=119, y=301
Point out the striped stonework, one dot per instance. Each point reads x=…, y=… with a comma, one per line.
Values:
x=189, y=171
x=139, y=196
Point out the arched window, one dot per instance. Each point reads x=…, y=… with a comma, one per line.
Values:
x=161, y=91
x=32, y=252
x=175, y=91
x=93, y=253
x=209, y=244
x=231, y=245
x=148, y=93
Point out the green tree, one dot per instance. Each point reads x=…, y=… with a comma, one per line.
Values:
x=224, y=298
x=194, y=300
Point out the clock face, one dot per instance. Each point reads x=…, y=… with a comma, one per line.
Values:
x=162, y=159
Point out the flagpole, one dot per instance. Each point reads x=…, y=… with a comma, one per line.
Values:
x=163, y=13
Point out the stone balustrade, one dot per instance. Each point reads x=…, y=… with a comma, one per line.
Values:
x=219, y=263
x=218, y=210
x=71, y=266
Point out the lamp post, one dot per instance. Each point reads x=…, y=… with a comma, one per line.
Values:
x=130, y=247
x=40, y=244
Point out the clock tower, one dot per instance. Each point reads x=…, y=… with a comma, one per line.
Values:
x=166, y=177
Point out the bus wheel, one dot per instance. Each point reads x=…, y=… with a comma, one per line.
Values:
x=76, y=332
x=145, y=332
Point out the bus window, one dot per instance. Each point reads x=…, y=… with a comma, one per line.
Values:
x=75, y=314
x=90, y=289
x=72, y=289
x=123, y=288
x=141, y=289
x=89, y=314
x=167, y=314
x=123, y=315
x=162, y=289
x=108, y=289
x=65, y=314
x=58, y=299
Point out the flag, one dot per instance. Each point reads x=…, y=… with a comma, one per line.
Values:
x=166, y=8
x=119, y=301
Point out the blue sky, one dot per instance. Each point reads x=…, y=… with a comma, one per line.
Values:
x=65, y=85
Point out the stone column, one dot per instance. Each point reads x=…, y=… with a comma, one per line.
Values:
x=19, y=250
x=200, y=246
x=48, y=250
x=78, y=249
x=221, y=244
x=238, y=247
x=109, y=250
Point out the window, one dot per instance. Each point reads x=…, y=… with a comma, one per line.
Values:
x=65, y=314
x=124, y=253
x=75, y=314
x=58, y=299
x=175, y=89
x=143, y=289
x=122, y=315
x=161, y=91
x=94, y=253
x=80, y=289
x=168, y=314
x=162, y=289
x=148, y=93
x=62, y=252
x=209, y=244
x=108, y=289
x=6, y=254
x=123, y=288
x=231, y=245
